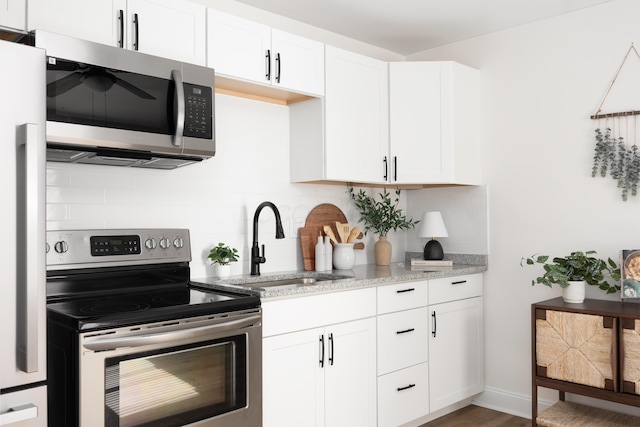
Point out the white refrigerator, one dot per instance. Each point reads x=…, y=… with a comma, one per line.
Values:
x=23, y=323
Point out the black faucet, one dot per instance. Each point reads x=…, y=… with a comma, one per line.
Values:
x=256, y=258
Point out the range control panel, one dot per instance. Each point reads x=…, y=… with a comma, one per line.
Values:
x=68, y=249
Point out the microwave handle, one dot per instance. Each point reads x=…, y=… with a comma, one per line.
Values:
x=177, y=79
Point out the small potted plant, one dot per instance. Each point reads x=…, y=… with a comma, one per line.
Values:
x=223, y=256
x=381, y=216
x=571, y=272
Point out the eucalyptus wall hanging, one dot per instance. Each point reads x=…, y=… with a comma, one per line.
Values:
x=615, y=154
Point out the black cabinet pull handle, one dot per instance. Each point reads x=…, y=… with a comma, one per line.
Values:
x=433, y=331
x=405, y=331
x=395, y=168
x=401, y=291
x=136, y=24
x=406, y=387
x=121, y=26
x=278, y=66
x=322, y=351
x=267, y=59
x=385, y=167
x=331, y=349
x=459, y=282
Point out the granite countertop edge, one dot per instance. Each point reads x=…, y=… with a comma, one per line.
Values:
x=361, y=276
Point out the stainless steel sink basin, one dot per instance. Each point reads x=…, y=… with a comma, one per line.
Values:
x=304, y=281
x=290, y=282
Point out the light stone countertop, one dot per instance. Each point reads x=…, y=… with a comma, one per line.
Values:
x=361, y=276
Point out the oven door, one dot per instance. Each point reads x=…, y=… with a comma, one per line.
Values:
x=203, y=371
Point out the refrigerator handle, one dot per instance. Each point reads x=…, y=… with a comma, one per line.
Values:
x=34, y=230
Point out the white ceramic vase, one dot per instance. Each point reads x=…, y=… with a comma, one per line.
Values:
x=223, y=271
x=343, y=256
x=574, y=293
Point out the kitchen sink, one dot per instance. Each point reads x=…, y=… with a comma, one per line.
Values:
x=289, y=282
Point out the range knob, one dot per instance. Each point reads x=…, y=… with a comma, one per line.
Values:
x=61, y=247
x=178, y=242
x=165, y=243
x=150, y=243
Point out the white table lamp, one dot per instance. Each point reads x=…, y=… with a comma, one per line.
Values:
x=432, y=226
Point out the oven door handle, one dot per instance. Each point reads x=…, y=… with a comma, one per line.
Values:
x=102, y=343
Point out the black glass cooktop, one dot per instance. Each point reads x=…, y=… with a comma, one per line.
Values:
x=109, y=311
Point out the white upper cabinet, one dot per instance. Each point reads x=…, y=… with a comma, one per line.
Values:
x=434, y=123
x=345, y=136
x=167, y=28
x=246, y=50
x=13, y=14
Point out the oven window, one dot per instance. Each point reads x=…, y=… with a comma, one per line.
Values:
x=97, y=96
x=176, y=386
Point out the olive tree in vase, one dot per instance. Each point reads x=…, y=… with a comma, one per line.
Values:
x=381, y=216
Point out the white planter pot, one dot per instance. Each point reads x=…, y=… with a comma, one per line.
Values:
x=574, y=293
x=223, y=271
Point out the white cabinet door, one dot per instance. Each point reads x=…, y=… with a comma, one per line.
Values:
x=96, y=20
x=238, y=47
x=168, y=28
x=297, y=63
x=13, y=14
x=293, y=380
x=243, y=49
x=456, y=352
x=434, y=123
x=350, y=374
x=321, y=377
x=356, y=117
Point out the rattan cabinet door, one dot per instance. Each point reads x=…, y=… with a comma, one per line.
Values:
x=631, y=356
x=576, y=347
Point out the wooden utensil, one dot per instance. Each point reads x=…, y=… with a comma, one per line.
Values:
x=344, y=229
x=329, y=232
x=353, y=234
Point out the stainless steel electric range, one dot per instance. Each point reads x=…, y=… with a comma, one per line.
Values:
x=132, y=342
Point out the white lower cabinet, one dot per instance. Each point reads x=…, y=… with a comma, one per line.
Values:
x=456, y=349
x=321, y=376
x=403, y=396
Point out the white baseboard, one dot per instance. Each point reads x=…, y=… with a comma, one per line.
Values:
x=509, y=403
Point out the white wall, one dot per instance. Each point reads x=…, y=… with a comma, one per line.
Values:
x=539, y=84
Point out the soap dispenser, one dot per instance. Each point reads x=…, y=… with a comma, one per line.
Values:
x=320, y=255
x=328, y=254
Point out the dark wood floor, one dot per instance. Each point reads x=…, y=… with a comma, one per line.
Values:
x=478, y=417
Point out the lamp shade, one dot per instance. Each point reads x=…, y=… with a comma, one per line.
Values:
x=432, y=226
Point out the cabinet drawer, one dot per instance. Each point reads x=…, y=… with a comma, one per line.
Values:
x=402, y=296
x=454, y=288
x=403, y=396
x=299, y=313
x=402, y=339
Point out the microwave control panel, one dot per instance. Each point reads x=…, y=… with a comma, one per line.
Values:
x=198, y=120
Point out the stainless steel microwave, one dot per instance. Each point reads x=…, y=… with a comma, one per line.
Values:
x=111, y=106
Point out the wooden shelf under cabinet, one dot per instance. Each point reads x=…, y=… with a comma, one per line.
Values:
x=591, y=349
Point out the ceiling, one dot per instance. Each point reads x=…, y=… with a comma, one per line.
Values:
x=409, y=26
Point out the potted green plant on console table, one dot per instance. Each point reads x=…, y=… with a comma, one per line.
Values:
x=223, y=256
x=381, y=216
x=573, y=271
